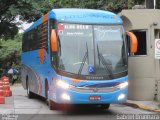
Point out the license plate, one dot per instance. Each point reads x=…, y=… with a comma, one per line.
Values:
x=95, y=98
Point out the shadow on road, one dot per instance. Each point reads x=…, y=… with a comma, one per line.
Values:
x=86, y=110
x=78, y=109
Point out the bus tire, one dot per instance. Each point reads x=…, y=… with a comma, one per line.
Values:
x=29, y=93
x=52, y=105
x=105, y=106
x=46, y=92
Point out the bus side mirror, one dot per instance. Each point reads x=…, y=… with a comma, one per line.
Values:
x=54, y=44
x=133, y=42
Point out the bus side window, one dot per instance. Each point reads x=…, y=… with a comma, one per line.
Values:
x=43, y=36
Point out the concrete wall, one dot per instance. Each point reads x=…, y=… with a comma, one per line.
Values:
x=144, y=70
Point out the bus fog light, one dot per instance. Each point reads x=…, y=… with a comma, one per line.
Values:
x=65, y=96
x=121, y=96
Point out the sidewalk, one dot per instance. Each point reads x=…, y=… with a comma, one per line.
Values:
x=153, y=106
x=19, y=103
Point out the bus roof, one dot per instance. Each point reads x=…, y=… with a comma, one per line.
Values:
x=76, y=15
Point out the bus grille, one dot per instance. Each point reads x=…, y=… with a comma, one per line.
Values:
x=94, y=89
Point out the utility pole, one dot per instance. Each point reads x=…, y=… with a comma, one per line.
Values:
x=154, y=4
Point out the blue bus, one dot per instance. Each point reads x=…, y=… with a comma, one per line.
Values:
x=77, y=56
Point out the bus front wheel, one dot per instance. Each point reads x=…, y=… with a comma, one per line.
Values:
x=52, y=105
x=29, y=93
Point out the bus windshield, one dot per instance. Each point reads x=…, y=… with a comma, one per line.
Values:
x=91, y=49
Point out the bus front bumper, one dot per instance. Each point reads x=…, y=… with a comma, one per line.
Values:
x=62, y=96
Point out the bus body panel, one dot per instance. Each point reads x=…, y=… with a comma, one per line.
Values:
x=82, y=97
x=36, y=72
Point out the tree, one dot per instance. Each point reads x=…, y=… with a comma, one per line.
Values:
x=111, y=5
x=31, y=10
x=158, y=4
x=27, y=10
x=10, y=51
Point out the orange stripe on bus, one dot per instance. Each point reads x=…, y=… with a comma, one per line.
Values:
x=76, y=80
x=45, y=18
x=43, y=34
x=43, y=39
x=42, y=42
x=41, y=55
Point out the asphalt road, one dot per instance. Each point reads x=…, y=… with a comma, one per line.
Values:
x=36, y=109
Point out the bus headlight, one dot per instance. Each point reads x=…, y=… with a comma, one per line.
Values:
x=62, y=84
x=121, y=96
x=123, y=85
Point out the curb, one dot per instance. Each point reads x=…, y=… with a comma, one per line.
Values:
x=137, y=105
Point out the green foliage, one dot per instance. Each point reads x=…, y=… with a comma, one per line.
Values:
x=10, y=51
x=115, y=6
x=27, y=10
x=111, y=5
x=158, y=4
x=31, y=10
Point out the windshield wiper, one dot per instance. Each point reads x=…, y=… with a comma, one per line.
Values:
x=84, y=60
x=104, y=62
